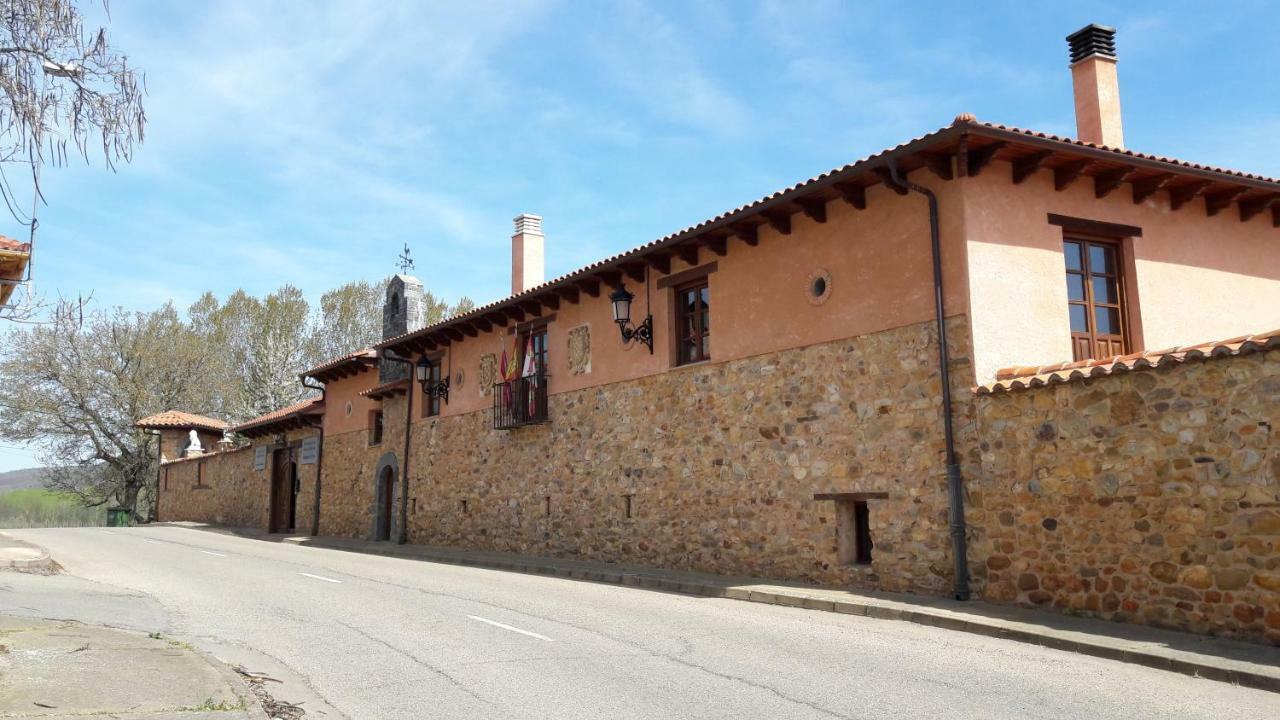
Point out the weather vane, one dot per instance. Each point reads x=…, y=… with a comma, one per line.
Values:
x=406, y=262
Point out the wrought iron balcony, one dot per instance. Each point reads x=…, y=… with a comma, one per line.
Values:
x=520, y=402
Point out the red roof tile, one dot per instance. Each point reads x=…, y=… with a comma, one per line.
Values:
x=304, y=407
x=388, y=389
x=12, y=245
x=178, y=420
x=1027, y=377
x=963, y=124
x=366, y=357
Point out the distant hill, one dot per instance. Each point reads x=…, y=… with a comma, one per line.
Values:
x=21, y=479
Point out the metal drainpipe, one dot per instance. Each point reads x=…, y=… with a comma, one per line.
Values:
x=402, y=537
x=955, y=484
x=315, y=510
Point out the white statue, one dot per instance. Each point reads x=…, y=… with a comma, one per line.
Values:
x=193, y=444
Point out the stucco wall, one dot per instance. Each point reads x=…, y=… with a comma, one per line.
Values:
x=1194, y=278
x=1149, y=497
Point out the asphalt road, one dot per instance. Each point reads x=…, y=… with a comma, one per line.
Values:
x=372, y=637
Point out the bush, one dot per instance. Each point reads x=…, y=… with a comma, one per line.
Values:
x=44, y=508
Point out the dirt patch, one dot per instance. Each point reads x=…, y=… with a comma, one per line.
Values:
x=275, y=709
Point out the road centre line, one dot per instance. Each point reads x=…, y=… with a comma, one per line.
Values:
x=320, y=577
x=210, y=552
x=508, y=627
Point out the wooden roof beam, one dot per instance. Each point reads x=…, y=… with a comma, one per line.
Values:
x=590, y=286
x=814, y=208
x=499, y=319
x=635, y=271
x=551, y=301
x=1183, y=194
x=660, y=262
x=887, y=178
x=981, y=157
x=453, y=333
x=779, y=221
x=718, y=245
x=1219, y=201
x=611, y=278
x=747, y=234
x=514, y=313
x=483, y=324
x=570, y=294
x=938, y=164
x=1275, y=215
x=1066, y=174
x=1249, y=209
x=468, y=329
x=688, y=253
x=855, y=195
x=1146, y=187
x=1025, y=167
x=1105, y=183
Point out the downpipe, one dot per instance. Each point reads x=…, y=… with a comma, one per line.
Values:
x=315, y=509
x=955, y=483
x=402, y=534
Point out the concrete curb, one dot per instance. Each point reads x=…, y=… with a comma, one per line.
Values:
x=238, y=685
x=43, y=563
x=1186, y=663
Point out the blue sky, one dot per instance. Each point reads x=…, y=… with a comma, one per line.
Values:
x=303, y=143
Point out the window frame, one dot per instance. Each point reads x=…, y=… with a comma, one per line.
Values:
x=541, y=347
x=702, y=315
x=1090, y=338
x=431, y=405
x=376, y=427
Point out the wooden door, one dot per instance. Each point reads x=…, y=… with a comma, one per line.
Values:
x=386, y=489
x=282, y=491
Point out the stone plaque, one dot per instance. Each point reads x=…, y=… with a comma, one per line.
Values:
x=309, y=453
x=488, y=372
x=580, y=350
x=260, y=457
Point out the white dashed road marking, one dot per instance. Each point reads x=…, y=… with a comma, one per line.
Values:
x=508, y=627
x=320, y=577
x=210, y=552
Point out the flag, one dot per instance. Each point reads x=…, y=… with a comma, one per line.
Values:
x=530, y=360
x=509, y=367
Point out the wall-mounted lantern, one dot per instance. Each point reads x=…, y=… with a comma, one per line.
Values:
x=437, y=389
x=643, y=332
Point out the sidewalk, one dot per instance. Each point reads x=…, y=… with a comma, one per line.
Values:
x=62, y=669
x=24, y=557
x=1240, y=663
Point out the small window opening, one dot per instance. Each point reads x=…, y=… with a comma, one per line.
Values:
x=548, y=506
x=413, y=505
x=464, y=507
x=375, y=427
x=819, y=286
x=853, y=532
x=626, y=503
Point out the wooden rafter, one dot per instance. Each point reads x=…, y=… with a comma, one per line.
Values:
x=635, y=271
x=814, y=208
x=469, y=329
x=747, y=234
x=483, y=324
x=551, y=301
x=610, y=278
x=499, y=319
x=855, y=195
x=533, y=307
x=1251, y=208
x=1104, y=183
x=660, y=262
x=453, y=333
x=515, y=313
x=1217, y=202
x=688, y=253
x=590, y=286
x=1025, y=167
x=570, y=294
x=1066, y=174
x=1148, y=186
x=981, y=157
x=779, y=221
x=938, y=164
x=887, y=178
x=718, y=245
x=1275, y=215
x=1183, y=194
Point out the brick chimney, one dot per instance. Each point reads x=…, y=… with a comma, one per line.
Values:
x=527, y=245
x=1097, y=88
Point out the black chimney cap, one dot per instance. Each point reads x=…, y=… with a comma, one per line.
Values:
x=1092, y=40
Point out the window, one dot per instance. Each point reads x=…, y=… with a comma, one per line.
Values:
x=539, y=349
x=375, y=427
x=853, y=530
x=431, y=403
x=1095, y=298
x=693, y=323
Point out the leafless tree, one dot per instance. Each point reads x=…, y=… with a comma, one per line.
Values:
x=65, y=91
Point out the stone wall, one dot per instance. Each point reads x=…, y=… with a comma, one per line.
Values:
x=719, y=464
x=1150, y=497
x=221, y=488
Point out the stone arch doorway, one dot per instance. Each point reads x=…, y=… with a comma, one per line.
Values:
x=384, y=493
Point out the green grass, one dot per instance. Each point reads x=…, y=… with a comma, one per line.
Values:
x=37, y=507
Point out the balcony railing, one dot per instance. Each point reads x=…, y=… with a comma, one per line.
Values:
x=522, y=401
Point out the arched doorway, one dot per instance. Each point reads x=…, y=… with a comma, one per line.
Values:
x=385, y=493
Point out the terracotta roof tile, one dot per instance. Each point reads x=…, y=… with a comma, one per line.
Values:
x=387, y=389
x=362, y=356
x=178, y=420
x=303, y=407
x=1028, y=377
x=12, y=245
x=963, y=123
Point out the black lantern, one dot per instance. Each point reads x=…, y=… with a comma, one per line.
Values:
x=438, y=389
x=643, y=332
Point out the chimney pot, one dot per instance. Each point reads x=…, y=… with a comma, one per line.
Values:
x=527, y=248
x=1096, y=85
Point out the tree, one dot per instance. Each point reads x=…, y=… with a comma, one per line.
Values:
x=350, y=319
x=77, y=386
x=61, y=86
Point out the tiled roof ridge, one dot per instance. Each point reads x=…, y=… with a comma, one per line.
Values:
x=280, y=414
x=962, y=122
x=180, y=419
x=1034, y=376
x=8, y=243
x=342, y=359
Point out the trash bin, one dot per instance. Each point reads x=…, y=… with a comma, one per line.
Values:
x=118, y=517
